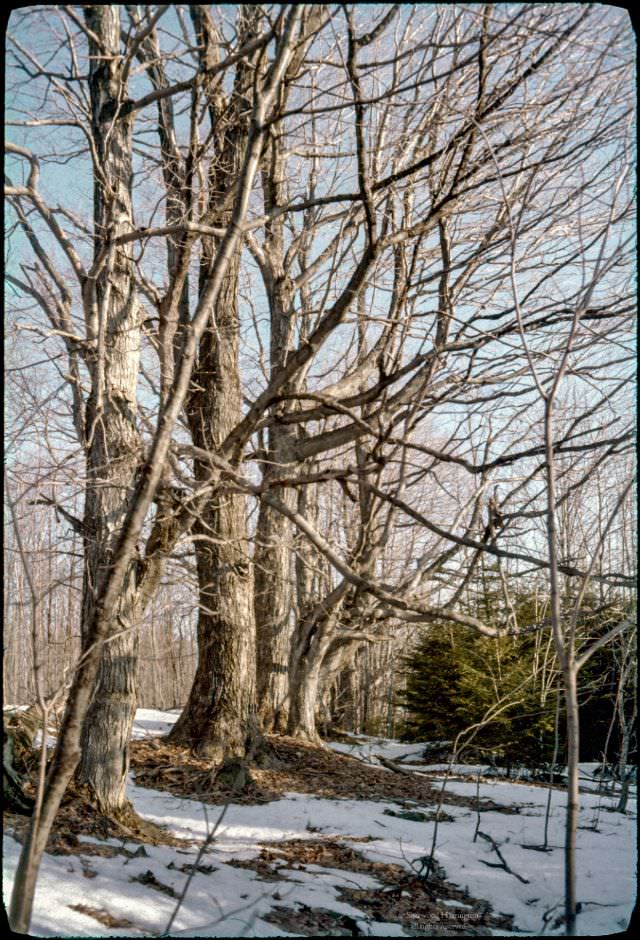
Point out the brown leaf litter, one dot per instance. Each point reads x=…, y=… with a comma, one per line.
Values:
x=102, y=915
x=325, y=851
x=298, y=767
x=78, y=816
x=403, y=897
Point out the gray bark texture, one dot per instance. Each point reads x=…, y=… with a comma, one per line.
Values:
x=217, y=719
x=273, y=557
x=113, y=445
x=273, y=560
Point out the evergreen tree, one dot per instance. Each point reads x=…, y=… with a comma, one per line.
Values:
x=503, y=689
x=457, y=680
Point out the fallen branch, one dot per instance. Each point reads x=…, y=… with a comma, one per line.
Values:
x=502, y=863
x=401, y=758
x=390, y=765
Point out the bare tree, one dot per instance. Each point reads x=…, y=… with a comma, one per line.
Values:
x=115, y=578
x=324, y=313
x=216, y=717
x=564, y=358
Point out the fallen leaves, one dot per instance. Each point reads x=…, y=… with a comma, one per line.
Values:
x=416, y=816
x=78, y=817
x=148, y=879
x=312, y=921
x=426, y=907
x=102, y=915
x=300, y=767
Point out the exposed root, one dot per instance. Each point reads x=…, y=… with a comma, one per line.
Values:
x=78, y=817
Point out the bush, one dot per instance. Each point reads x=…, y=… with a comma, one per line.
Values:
x=456, y=679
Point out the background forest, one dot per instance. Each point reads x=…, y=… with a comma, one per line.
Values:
x=319, y=351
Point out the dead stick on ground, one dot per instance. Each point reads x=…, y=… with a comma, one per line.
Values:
x=503, y=864
x=391, y=766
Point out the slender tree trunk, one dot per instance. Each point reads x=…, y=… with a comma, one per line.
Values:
x=348, y=692
x=573, y=797
x=554, y=760
x=274, y=569
x=626, y=727
x=113, y=446
x=273, y=557
x=273, y=597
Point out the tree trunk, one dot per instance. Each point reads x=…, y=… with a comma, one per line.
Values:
x=304, y=686
x=273, y=596
x=273, y=557
x=627, y=726
x=113, y=445
x=307, y=654
x=312, y=640
x=348, y=694
x=573, y=797
x=217, y=720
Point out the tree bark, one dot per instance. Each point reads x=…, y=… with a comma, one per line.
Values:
x=273, y=559
x=304, y=686
x=573, y=795
x=273, y=598
x=312, y=639
x=273, y=556
x=217, y=719
x=113, y=445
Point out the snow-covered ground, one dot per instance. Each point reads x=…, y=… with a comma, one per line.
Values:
x=231, y=902
x=369, y=748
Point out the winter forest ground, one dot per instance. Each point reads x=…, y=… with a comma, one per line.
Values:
x=328, y=842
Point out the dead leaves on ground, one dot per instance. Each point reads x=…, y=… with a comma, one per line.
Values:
x=435, y=906
x=102, y=915
x=163, y=766
x=312, y=921
x=301, y=768
x=326, y=852
x=148, y=879
x=78, y=817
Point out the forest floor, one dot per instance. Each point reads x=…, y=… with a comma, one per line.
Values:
x=326, y=842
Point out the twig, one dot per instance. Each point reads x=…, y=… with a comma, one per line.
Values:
x=210, y=838
x=503, y=863
x=477, y=830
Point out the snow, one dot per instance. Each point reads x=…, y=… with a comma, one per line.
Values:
x=151, y=723
x=232, y=902
x=392, y=750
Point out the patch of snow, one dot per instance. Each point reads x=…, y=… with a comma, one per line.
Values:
x=151, y=723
